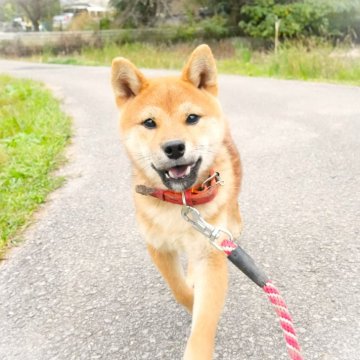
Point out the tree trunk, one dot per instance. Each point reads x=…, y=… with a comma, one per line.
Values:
x=235, y=13
x=36, y=25
x=34, y=17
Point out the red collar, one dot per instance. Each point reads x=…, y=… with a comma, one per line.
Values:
x=199, y=194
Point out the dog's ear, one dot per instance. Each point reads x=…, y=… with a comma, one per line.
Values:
x=200, y=69
x=126, y=79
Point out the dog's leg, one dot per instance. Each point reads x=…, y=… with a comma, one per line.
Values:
x=170, y=268
x=210, y=275
x=190, y=274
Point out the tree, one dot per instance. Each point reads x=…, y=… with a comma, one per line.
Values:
x=136, y=13
x=38, y=10
x=229, y=9
x=7, y=11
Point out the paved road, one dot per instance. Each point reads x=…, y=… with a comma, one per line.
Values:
x=82, y=287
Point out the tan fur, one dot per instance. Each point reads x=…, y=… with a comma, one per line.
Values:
x=169, y=101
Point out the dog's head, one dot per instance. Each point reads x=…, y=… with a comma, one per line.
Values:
x=172, y=128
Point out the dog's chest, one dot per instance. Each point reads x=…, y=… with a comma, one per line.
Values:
x=164, y=228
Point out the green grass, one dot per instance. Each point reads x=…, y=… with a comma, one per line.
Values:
x=33, y=133
x=320, y=62
x=144, y=55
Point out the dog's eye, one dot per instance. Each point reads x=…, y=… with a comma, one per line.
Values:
x=192, y=119
x=149, y=123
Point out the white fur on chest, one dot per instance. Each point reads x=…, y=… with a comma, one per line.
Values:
x=167, y=230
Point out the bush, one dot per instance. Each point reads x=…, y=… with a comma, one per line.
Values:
x=210, y=28
x=84, y=22
x=326, y=18
x=215, y=27
x=105, y=24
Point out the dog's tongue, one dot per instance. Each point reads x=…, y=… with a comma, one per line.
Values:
x=179, y=172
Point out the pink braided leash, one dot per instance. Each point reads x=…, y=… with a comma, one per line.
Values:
x=247, y=265
x=273, y=294
x=285, y=319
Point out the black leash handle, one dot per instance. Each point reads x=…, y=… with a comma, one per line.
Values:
x=246, y=264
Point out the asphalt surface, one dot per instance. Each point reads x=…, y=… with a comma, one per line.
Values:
x=81, y=285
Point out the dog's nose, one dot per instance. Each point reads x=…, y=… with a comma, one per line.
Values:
x=174, y=149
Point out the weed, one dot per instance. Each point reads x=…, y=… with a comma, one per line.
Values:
x=304, y=61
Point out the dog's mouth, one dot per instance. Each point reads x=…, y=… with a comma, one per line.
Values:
x=179, y=172
x=179, y=177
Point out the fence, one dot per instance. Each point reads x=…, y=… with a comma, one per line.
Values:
x=29, y=43
x=46, y=38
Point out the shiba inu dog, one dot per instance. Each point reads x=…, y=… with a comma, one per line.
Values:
x=176, y=135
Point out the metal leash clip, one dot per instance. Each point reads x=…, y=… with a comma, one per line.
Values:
x=193, y=217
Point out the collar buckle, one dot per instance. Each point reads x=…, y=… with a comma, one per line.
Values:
x=213, y=180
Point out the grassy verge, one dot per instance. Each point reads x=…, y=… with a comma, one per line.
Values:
x=33, y=132
x=319, y=62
